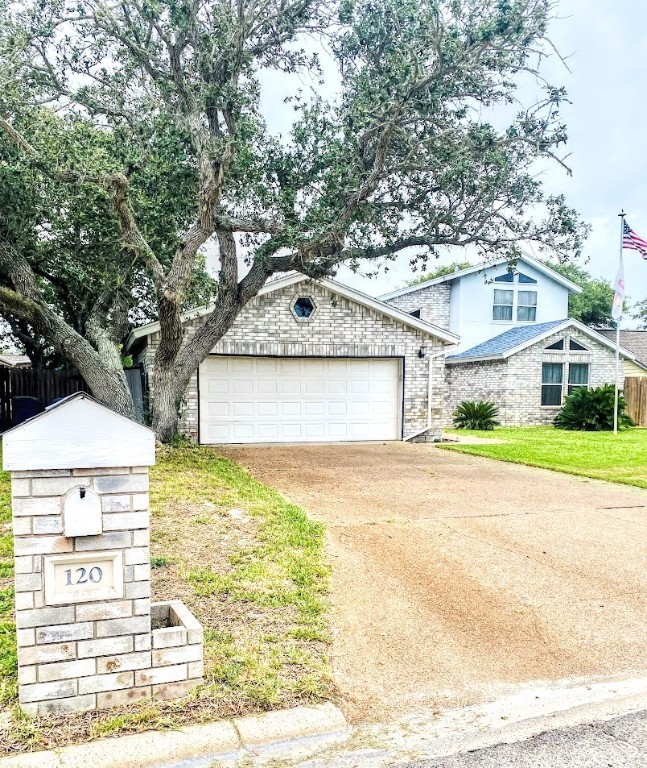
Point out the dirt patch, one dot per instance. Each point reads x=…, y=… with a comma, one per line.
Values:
x=457, y=578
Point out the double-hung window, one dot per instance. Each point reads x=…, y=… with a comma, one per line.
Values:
x=502, y=309
x=527, y=306
x=552, y=377
x=578, y=376
x=512, y=304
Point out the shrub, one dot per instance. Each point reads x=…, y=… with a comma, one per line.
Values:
x=591, y=410
x=480, y=415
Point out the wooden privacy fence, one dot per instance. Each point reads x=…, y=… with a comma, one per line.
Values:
x=636, y=396
x=46, y=386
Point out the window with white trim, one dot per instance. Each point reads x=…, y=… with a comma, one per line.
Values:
x=514, y=303
x=527, y=306
x=552, y=378
x=578, y=376
x=502, y=309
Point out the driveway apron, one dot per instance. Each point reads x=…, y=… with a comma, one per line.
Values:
x=457, y=578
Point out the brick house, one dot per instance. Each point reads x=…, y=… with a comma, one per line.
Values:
x=312, y=361
x=318, y=361
x=517, y=348
x=528, y=371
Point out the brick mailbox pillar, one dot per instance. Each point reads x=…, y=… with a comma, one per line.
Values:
x=79, y=484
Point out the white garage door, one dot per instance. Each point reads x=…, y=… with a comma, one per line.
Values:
x=282, y=400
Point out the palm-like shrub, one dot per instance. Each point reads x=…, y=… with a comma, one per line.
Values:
x=475, y=415
x=591, y=410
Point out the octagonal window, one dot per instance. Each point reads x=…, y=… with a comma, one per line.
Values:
x=303, y=307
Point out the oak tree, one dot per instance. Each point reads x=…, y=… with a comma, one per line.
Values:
x=592, y=306
x=426, y=142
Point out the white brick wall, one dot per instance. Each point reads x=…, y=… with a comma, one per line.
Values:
x=91, y=654
x=433, y=303
x=514, y=385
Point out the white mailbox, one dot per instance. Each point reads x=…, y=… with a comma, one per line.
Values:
x=82, y=513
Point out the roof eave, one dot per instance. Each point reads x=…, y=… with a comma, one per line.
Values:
x=549, y=332
x=476, y=359
x=568, y=284
x=390, y=311
x=350, y=293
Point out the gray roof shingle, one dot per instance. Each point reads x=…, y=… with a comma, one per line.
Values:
x=504, y=342
x=634, y=341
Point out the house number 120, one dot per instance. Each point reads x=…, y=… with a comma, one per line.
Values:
x=94, y=575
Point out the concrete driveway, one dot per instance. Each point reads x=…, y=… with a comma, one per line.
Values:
x=457, y=578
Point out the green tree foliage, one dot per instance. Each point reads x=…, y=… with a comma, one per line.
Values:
x=441, y=271
x=639, y=313
x=591, y=410
x=593, y=305
x=476, y=415
x=82, y=265
x=404, y=156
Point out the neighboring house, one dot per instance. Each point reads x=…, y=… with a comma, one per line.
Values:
x=517, y=348
x=14, y=361
x=636, y=343
x=311, y=361
x=483, y=301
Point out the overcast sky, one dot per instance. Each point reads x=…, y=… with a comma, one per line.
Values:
x=605, y=44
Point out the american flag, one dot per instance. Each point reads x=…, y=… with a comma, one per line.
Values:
x=631, y=240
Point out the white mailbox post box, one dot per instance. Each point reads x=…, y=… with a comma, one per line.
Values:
x=79, y=484
x=82, y=513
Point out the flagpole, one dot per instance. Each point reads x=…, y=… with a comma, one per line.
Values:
x=615, y=399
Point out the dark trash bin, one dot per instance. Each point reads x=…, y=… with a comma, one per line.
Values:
x=23, y=408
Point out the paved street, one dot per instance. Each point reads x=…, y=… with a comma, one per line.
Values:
x=619, y=743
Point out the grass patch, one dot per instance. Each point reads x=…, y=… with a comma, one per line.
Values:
x=599, y=455
x=251, y=568
x=8, y=663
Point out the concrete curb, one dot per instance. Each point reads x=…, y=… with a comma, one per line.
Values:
x=231, y=739
x=302, y=733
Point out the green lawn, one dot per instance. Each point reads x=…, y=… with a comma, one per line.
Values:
x=601, y=455
x=249, y=565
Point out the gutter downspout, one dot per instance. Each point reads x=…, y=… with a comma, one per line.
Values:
x=429, y=394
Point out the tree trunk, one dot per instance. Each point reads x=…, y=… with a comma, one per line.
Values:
x=104, y=372
x=179, y=354
x=173, y=370
x=167, y=392
x=110, y=387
